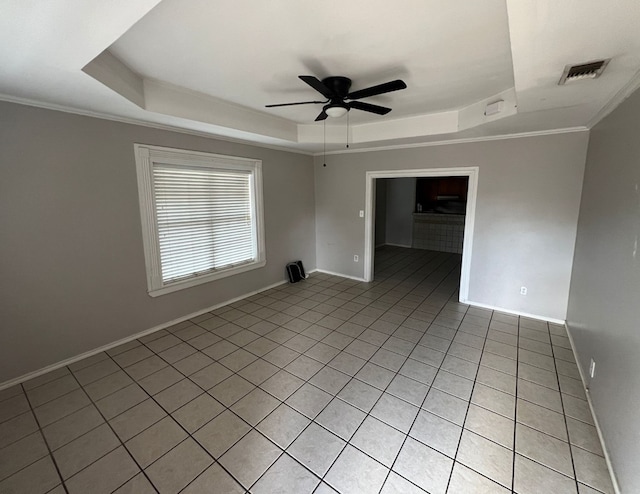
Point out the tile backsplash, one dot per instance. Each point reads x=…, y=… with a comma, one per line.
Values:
x=439, y=232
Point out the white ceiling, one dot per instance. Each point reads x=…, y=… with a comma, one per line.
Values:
x=210, y=67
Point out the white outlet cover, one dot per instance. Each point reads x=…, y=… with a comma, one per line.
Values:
x=355, y=258
x=523, y=290
x=592, y=369
x=361, y=213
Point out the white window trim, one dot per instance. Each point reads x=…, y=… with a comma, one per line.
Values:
x=145, y=156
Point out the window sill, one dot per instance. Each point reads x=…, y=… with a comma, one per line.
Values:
x=181, y=285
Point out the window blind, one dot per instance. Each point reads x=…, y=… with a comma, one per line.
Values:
x=204, y=220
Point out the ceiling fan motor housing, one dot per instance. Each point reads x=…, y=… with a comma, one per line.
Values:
x=339, y=85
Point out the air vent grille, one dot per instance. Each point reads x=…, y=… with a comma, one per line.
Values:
x=589, y=70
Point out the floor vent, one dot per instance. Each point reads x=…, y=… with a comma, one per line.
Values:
x=590, y=70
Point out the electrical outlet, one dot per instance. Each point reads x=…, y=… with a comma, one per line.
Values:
x=523, y=290
x=592, y=369
x=356, y=258
x=361, y=213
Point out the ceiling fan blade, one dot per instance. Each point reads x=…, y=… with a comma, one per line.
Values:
x=359, y=105
x=323, y=116
x=299, y=103
x=387, y=87
x=317, y=84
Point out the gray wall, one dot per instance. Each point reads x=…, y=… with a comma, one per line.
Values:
x=604, y=301
x=381, y=211
x=401, y=200
x=527, y=210
x=71, y=255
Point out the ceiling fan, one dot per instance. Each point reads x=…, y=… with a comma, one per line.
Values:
x=336, y=90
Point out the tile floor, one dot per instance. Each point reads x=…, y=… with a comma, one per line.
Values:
x=326, y=386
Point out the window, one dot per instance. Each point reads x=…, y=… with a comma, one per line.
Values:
x=201, y=216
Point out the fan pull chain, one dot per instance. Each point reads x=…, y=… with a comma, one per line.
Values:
x=324, y=152
x=347, y=130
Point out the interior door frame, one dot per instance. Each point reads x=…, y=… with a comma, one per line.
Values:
x=467, y=245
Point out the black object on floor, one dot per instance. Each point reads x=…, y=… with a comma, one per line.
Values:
x=295, y=271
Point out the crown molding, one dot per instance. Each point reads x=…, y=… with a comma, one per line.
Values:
x=466, y=140
x=619, y=97
x=171, y=128
x=144, y=123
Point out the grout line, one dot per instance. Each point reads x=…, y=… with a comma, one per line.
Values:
x=55, y=463
x=119, y=440
x=564, y=418
x=515, y=411
x=464, y=421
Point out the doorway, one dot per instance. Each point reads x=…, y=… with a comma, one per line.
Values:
x=370, y=210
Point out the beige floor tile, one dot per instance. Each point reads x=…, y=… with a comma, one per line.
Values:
x=540, y=395
x=395, y=484
x=466, y=481
x=137, y=485
x=137, y=419
x=316, y=448
x=96, y=371
x=231, y=390
x=198, y=412
x=379, y=440
x=60, y=407
x=210, y=376
x=354, y=472
x=221, y=433
x=21, y=453
x=542, y=419
x=490, y=425
x=193, y=363
x=486, y=457
x=107, y=385
x=283, y=425
x=250, y=457
x=121, y=400
x=52, y=390
x=286, y=475
x=531, y=478
x=591, y=470
x=212, y=479
x=45, y=378
x=544, y=449
x=282, y=385
x=155, y=441
x=37, y=478
x=494, y=400
x=17, y=428
x=105, y=475
x=72, y=426
x=411, y=461
x=584, y=436
x=177, y=395
x=309, y=400
x=445, y=405
x=341, y=418
x=436, y=432
x=176, y=469
x=146, y=367
x=81, y=452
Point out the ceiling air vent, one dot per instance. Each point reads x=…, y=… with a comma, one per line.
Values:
x=591, y=70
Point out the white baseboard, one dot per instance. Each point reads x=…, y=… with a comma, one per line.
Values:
x=109, y=346
x=607, y=458
x=332, y=273
x=514, y=312
x=398, y=245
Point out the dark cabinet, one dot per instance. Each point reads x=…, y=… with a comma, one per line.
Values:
x=433, y=194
